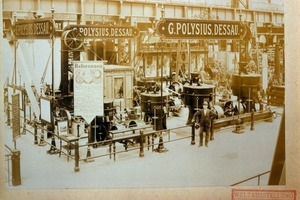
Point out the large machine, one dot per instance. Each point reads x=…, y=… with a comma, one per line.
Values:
x=101, y=125
x=153, y=105
x=247, y=88
x=194, y=95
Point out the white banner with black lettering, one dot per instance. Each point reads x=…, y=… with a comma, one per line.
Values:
x=88, y=89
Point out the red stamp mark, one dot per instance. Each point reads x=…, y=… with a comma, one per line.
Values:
x=241, y=194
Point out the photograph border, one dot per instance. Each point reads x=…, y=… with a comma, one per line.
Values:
x=292, y=60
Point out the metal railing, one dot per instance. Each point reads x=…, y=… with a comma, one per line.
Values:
x=150, y=135
x=251, y=178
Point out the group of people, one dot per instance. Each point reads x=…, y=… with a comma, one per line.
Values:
x=204, y=117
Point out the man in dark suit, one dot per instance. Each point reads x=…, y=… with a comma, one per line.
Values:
x=204, y=117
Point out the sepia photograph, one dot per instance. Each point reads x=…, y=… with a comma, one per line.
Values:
x=144, y=99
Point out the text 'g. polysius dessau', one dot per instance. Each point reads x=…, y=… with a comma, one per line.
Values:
x=203, y=29
x=200, y=29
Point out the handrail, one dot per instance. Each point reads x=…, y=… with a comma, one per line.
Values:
x=253, y=177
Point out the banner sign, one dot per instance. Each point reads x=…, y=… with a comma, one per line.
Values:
x=88, y=89
x=16, y=116
x=99, y=31
x=34, y=29
x=200, y=29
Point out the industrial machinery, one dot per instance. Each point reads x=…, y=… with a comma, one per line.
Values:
x=101, y=125
x=153, y=106
x=194, y=95
x=247, y=88
x=77, y=42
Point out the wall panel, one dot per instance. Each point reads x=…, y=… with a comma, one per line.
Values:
x=149, y=10
x=113, y=8
x=101, y=8
x=61, y=6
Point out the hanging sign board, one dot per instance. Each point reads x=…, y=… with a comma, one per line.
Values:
x=34, y=29
x=104, y=32
x=88, y=89
x=200, y=29
x=16, y=116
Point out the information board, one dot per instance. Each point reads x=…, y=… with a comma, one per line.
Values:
x=46, y=109
x=88, y=89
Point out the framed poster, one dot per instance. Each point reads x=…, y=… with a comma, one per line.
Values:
x=46, y=109
x=119, y=87
x=62, y=127
x=88, y=89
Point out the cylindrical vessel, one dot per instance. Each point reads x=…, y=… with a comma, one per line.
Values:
x=101, y=125
x=109, y=110
x=152, y=104
x=245, y=85
x=149, y=101
x=194, y=95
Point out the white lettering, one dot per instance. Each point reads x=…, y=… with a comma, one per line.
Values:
x=171, y=28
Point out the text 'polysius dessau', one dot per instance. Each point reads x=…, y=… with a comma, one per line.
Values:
x=34, y=28
x=95, y=31
x=197, y=29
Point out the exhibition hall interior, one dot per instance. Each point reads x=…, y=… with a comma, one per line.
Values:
x=143, y=94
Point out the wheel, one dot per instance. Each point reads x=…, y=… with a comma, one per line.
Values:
x=72, y=39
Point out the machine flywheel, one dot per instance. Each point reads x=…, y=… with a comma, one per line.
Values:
x=72, y=39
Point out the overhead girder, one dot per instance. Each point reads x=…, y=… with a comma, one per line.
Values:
x=110, y=10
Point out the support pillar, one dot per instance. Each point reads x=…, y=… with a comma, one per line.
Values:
x=212, y=133
x=16, y=169
x=76, y=146
x=35, y=132
x=193, y=134
x=252, y=120
x=142, y=144
x=24, y=129
x=8, y=122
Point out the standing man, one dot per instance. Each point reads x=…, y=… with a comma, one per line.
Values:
x=204, y=116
